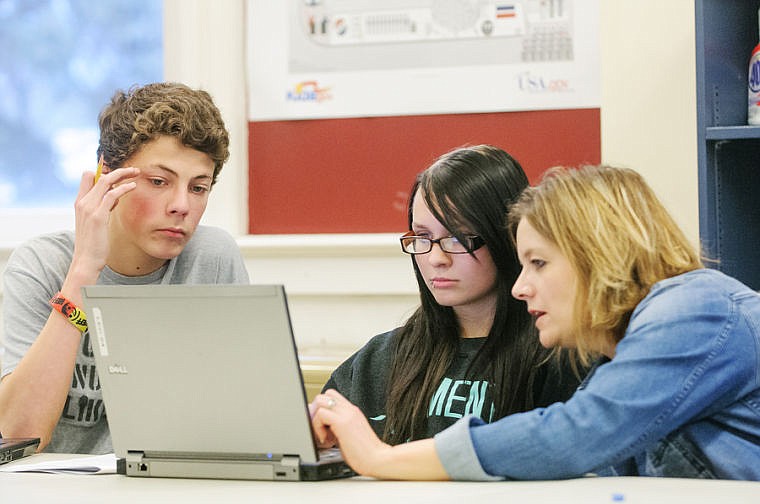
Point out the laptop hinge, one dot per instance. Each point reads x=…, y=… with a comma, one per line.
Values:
x=287, y=468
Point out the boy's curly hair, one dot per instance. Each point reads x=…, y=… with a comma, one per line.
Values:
x=141, y=114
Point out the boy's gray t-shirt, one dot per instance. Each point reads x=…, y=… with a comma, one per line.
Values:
x=36, y=271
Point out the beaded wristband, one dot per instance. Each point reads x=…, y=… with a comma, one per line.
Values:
x=70, y=311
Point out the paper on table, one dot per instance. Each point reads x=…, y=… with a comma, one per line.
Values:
x=96, y=464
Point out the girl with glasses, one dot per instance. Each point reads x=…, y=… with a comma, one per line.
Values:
x=470, y=348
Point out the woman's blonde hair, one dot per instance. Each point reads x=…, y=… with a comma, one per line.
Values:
x=618, y=237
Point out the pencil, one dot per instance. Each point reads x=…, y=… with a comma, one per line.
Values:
x=99, y=170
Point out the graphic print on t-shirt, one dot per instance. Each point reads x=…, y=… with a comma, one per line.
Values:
x=84, y=404
x=458, y=398
x=453, y=399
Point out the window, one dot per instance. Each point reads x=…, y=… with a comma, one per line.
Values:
x=61, y=62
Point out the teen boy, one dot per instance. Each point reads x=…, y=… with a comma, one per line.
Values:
x=161, y=149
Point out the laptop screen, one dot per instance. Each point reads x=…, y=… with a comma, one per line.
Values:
x=199, y=370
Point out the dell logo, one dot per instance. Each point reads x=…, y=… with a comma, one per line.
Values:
x=117, y=369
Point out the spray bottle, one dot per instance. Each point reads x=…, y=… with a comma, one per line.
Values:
x=753, y=108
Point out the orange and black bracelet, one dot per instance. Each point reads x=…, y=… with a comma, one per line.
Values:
x=70, y=311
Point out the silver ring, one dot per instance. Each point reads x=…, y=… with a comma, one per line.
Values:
x=330, y=403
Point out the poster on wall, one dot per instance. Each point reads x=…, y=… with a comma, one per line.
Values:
x=358, y=58
x=339, y=89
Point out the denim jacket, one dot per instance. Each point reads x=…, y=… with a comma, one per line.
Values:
x=681, y=398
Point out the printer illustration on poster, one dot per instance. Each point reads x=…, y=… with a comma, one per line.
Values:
x=337, y=34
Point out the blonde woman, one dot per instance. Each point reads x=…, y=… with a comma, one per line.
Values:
x=675, y=390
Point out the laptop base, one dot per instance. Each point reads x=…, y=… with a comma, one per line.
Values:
x=284, y=468
x=13, y=449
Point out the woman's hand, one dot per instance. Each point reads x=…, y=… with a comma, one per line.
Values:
x=334, y=418
x=329, y=440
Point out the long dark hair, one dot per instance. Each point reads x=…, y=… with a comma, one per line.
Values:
x=468, y=189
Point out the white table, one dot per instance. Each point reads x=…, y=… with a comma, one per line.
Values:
x=35, y=488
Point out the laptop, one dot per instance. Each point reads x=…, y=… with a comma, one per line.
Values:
x=203, y=381
x=16, y=448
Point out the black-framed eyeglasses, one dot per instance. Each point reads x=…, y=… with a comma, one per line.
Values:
x=413, y=244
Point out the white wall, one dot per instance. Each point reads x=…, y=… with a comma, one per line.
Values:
x=345, y=288
x=649, y=111
x=340, y=294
